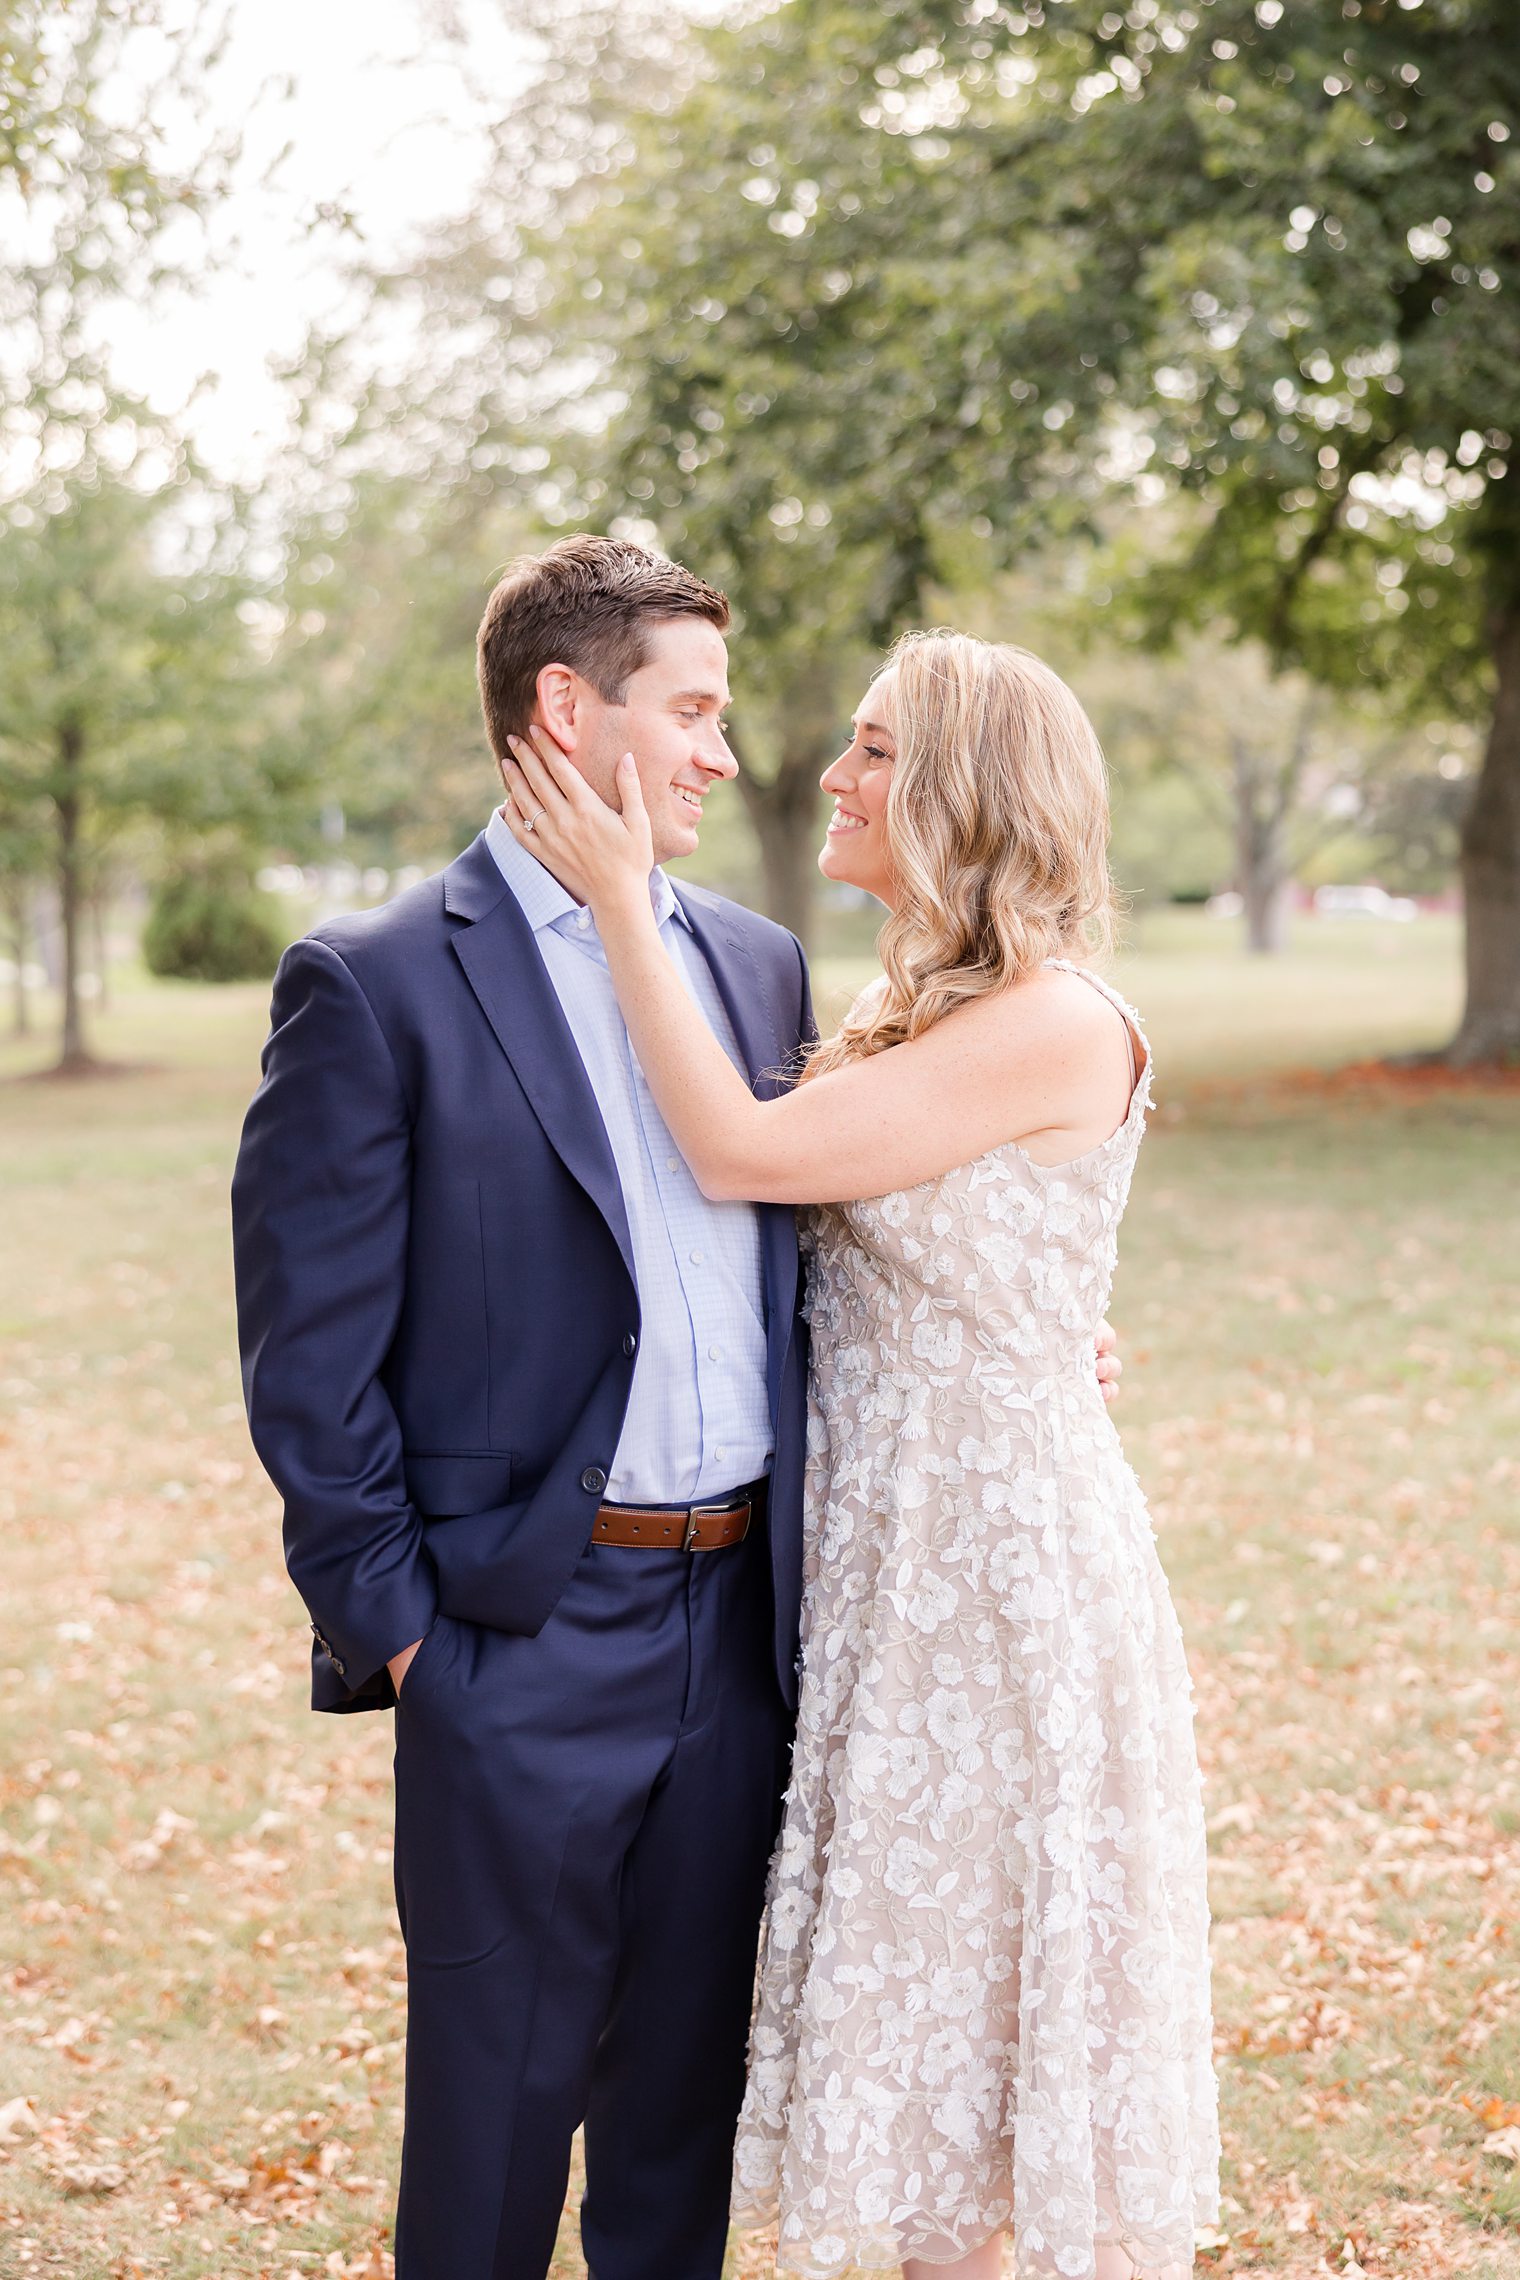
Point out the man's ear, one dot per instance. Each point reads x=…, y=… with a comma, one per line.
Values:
x=558, y=690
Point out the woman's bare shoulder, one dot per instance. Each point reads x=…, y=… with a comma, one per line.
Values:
x=1051, y=1010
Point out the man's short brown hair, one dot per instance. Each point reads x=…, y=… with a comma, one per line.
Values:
x=587, y=603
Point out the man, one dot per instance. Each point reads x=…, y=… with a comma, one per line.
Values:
x=536, y=1410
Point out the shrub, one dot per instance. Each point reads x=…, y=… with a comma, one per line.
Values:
x=211, y=926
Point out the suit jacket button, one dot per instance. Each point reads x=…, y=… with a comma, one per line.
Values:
x=593, y=1480
x=630, y=1344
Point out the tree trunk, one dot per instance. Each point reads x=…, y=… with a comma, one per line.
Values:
x=68, y=803
x=1490, y=1028
x=784, y=808
x=1261, y=851
x=784, y=813
x=100, y=920
x=1266, y=899
x=21, y=1004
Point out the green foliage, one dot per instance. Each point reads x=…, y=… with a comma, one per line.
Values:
x=119, y=678
x=1287, y=780
x=849, y=299
x=211, y=925
x=890, y=271
x=123, y=679
x=853, y=307
x=371, y=677
x=27, y=119
x=1222, y=767
x=94, y=208
x=123, y=647
x=895, y=282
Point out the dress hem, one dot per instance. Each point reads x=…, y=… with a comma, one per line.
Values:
x=1149, y=2263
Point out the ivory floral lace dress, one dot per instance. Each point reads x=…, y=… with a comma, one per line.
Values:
x=984, y=1998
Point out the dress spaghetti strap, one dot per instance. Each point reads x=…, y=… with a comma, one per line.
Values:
x=1125, y=1011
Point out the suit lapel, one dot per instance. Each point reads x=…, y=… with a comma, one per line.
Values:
x=767, y=1047
x=743, y=987
x=502, y=964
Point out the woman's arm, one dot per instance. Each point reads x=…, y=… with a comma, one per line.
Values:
x=999, y=1069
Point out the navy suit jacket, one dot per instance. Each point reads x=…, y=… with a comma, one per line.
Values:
x=436, y=1302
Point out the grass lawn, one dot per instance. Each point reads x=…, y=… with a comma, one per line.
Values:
x=201, y=1991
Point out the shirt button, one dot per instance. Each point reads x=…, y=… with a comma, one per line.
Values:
x=593, y=1480
x=584, y=920
x=715, y=1353
x=672, y=1163
x=696, y=1258
x=720, y=1452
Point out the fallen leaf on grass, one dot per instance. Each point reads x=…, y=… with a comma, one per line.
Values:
x=1237, y=1816
x=78, y=2178
x=1505, y=2143
x=18, y=2119
x=1422, y=1080
x=148, y=1851
x=1318, y=2025
x=756, y=2255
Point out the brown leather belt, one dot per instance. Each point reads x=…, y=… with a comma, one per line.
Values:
x=682, y=1527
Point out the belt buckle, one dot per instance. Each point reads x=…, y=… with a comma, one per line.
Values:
x=695, y=1514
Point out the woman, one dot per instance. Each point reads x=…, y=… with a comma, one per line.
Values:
x=983, y=1998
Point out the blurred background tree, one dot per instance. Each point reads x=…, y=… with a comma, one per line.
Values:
x=839, y=283
x=1226, y=767
x=209, y=924
x=1291, y=776
x=23, y=860
x=124, y=647
x=118, y=680
x=370, y=673
x=1176, y=339
x=41, y=111
x=611, y=213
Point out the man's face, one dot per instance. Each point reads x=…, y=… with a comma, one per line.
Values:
x=670, y=720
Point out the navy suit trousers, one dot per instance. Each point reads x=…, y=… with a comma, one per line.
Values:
x=584, y=1819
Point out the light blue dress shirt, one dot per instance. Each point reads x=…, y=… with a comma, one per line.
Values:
x=698, y=1418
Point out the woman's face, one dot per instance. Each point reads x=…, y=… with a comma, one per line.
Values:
x=855, y=850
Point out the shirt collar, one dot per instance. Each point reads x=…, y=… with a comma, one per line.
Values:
x=544, y=901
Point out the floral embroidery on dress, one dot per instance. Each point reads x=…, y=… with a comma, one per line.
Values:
x=983, y=2000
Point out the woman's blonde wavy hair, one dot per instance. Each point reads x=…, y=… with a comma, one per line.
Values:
x=997, y=831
